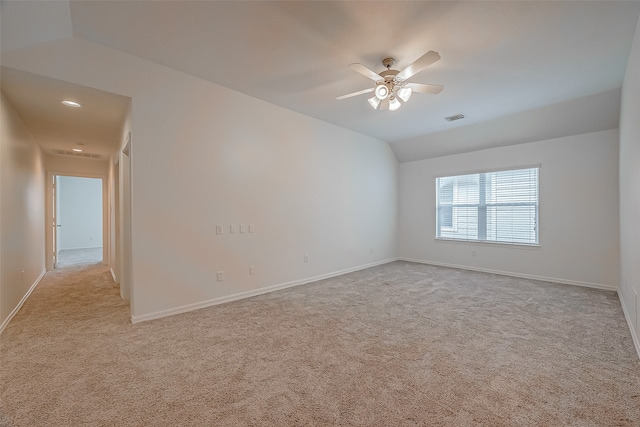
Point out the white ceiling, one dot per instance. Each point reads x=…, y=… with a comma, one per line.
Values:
x=94, y=127
x=499, y=59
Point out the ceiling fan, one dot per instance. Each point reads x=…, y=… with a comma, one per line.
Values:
x=392, y=86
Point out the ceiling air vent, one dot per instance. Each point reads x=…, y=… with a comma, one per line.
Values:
x=75, y=154
x=454, y=117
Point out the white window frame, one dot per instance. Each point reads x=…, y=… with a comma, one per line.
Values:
x=482, y=228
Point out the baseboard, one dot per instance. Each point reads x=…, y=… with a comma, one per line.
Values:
x=22, y=301
x=248, y=294
x=113, y=275
x=634, y=335
x=519, y=275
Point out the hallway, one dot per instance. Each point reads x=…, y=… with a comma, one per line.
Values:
x=77, y=257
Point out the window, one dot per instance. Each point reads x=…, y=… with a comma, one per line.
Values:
x=500, y=206
x=446, y=201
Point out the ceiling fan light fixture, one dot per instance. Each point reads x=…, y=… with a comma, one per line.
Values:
x=394, y=104
x=382, y=91
x=374, y=102
x=405, y=93
x=391, y=88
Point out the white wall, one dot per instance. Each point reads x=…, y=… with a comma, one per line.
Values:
x=80, y=212
x=76, y=166
x=578, y=210
x=630, y=191
x=204, y=155
x=21, y=212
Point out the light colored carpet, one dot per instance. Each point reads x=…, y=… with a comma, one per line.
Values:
x=401, y=344
x=74, y=257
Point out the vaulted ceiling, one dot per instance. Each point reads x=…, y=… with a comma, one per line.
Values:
x=524, y=61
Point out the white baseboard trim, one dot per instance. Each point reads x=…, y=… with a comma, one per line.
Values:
x=634, y=335
x=21, y=303
x=113, y=275
x=248, y=294
x=519, y=275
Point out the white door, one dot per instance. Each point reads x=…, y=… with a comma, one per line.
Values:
x=54, y=221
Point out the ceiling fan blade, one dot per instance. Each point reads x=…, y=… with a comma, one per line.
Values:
x=359, y=68
x=360, y=92
x=419, y=64
x=423, y=88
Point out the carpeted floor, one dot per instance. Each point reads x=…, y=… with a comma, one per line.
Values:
x=401, y=344
x=74, y=257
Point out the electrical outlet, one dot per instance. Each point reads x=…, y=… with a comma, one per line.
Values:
x=473, y=253
x=218, y=229
x=371, y=251
x=252, y=270
x=306, y=257
x=220, y=276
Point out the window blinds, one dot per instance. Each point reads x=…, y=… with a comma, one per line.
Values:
x=499, y=206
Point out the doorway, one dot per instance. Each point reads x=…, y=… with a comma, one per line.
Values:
x=78, y=221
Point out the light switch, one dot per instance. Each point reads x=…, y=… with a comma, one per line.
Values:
x=218, y=229
x=220, y=276
x=242, y=228
x=232, y=229
x=251, y=228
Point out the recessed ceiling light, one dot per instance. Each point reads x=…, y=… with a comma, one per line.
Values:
x=77, y=150
x=69, y=103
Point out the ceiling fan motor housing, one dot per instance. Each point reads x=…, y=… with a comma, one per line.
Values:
x=389, y=81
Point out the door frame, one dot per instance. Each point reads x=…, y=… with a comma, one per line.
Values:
x=125, y=244
x=50, y=214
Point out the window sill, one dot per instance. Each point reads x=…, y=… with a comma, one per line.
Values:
x=490, y=243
